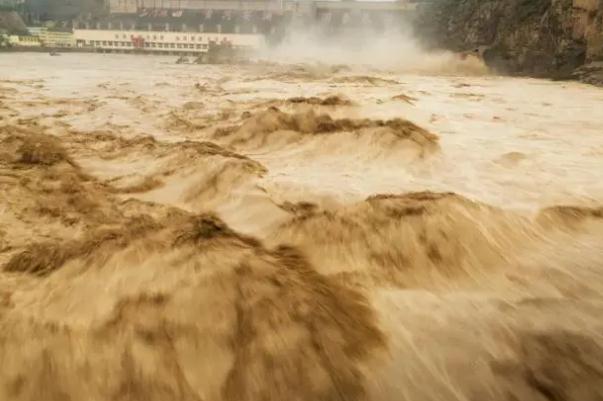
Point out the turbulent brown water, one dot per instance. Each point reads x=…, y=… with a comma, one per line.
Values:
x=296, y=232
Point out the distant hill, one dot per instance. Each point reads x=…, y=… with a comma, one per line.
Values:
x=62, y=9
x=12, y=23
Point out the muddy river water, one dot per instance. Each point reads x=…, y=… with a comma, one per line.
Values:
x=306, y=231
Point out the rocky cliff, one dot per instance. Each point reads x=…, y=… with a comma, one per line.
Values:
x=548, y=38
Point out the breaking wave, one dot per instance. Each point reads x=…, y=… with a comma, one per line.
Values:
x=243, y=319
x=273, y=129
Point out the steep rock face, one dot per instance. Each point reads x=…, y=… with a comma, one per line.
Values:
x=534, y=37
x=588, y=24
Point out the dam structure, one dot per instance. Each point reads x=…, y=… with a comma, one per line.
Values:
x=126, y=24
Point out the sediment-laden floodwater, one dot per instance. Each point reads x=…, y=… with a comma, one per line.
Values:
x=296, y=232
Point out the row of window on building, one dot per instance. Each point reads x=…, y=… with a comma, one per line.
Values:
x=151, y=45
x=160, y=37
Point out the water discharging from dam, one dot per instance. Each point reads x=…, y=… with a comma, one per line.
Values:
x=299, y=231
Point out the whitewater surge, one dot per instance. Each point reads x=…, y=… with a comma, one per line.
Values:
x=296, y=232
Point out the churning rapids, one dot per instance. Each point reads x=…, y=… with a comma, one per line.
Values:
x=296, y=232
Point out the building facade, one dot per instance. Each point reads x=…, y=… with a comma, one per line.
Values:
x=134, y=6
x=36, y=30
x=24, y=41
x=301, y=6
x=160, y=41
x=50, y=38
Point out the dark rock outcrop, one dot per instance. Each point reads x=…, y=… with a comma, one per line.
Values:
x=591, y=73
